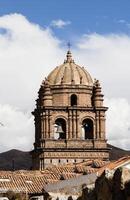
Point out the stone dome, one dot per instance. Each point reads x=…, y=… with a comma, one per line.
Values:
x=69, y=73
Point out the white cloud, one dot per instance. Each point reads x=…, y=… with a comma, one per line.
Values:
x=118, y=122
x=28, y=53
x=107, y=58
x=16, y=130
x=60, y=23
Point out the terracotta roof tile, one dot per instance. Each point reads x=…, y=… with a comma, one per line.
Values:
x=114, y=164
x=34, y=181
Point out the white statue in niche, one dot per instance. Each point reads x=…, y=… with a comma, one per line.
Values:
x=82, y=132
x=56, y=135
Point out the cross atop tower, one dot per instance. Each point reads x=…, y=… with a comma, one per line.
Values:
x=69, y=45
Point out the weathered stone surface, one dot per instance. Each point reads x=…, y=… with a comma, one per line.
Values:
x=69, y=118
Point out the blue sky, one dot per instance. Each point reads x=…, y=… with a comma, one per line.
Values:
x=85, y=16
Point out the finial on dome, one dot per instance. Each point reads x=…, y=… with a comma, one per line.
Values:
x=69, y=45
x=69, y=55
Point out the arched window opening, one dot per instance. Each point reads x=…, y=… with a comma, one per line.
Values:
x=73, y=100
x=87, y=129
x=60, y=129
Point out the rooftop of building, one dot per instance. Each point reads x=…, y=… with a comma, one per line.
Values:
x=34, y=181
x=69, y=73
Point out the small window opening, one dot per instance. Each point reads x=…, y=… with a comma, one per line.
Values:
x=73, y=100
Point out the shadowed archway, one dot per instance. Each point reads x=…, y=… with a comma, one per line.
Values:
x=87, y=125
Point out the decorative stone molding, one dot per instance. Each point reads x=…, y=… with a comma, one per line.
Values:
x=55, y=104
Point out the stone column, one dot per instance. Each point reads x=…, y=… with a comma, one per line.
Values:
x=102, y=125
x=97, y=125
x=44, y=126
x=77, y=119
x=51, y=127
x=40, y=164
x=49, y=130
x=67, y=130
x=46, y=121
x=78, y=126
x=74, y=124
x=70, y=125
x=94, y=130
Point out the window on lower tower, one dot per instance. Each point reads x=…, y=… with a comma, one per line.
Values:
x=87, y=129
x=73, y=100
x=60, y=129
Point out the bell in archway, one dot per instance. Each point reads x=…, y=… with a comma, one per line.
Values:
x=59, y=129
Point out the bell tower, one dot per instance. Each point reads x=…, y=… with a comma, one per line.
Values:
x=69, y=118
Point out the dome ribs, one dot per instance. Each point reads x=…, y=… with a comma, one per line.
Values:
x=69, y=73
x=65, y=76
x=72, y=74
x=88, y=77
x=52, y=75
x=57, y=77
x=81, y=78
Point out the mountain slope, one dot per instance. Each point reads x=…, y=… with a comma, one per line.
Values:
x=116, y=153
x=15, y=159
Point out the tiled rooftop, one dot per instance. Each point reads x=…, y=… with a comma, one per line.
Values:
x=34, y=181
x=115, y=164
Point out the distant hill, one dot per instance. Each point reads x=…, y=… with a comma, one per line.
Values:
x=15, y=159
x=116, y=153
